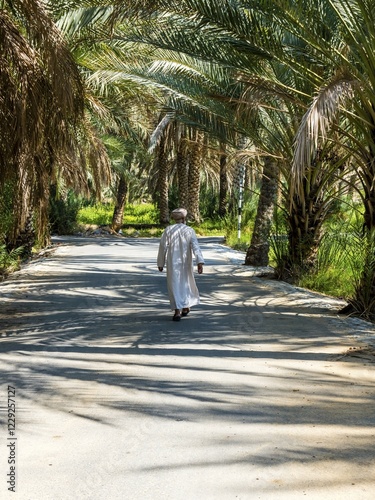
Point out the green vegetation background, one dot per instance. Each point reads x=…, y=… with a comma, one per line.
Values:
x=341, y=252
x=338, y=260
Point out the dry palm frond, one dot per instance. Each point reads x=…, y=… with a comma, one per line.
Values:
x=316, y=121
x=159, y=131
x=41, y=108
x=58, y=63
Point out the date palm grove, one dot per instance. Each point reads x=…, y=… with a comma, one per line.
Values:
x=179, y=96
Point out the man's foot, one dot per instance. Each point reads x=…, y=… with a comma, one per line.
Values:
x=185, y=311
x=177, y=316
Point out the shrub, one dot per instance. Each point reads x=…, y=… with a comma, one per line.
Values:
x=63, y=213
x=9, y=261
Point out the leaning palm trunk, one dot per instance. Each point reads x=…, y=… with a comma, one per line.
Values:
x=162, y=183
x=194, y=180
x=257, y=253
x=118, y=213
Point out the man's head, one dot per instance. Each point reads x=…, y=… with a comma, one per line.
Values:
x=179, y=214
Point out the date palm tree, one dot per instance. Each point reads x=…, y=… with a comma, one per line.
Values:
x=257, y=253
x=44, y=132
x=316, y=43
x=244, y=50
x=41, y=108
x=342, y=110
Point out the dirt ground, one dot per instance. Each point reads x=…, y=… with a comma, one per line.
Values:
x=262, y=392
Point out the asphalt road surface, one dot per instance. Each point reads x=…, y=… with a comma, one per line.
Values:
x=262, y=392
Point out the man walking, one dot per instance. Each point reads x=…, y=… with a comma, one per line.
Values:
x=178, y=243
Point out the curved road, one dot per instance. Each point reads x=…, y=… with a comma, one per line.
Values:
x=252, y=396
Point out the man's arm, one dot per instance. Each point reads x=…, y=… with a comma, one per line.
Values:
x=197, y=252
x=162, y=251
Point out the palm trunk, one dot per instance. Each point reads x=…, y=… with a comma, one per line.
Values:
x=307, y=214
x=162, y=184
x=194, y=180
x=118, y=213
x=21, y=231
x=183, y=172
x=238, y=175
x=363, y=301
x=257, y=253
x=223, y=191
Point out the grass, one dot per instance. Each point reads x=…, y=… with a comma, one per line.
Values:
x=336, y=262
x=95, y=215
x=101, y=214
x=209, y=228
x=333, y=281
x=241, y=244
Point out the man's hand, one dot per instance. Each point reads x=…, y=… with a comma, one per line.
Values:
x=160, y=269
x=200, y=268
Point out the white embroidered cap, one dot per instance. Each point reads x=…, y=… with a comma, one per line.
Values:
x=179, y=213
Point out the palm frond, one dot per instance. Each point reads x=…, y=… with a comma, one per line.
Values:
x=316, y=121
x=72, y=22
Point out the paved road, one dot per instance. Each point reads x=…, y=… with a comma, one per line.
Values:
x=249, y=397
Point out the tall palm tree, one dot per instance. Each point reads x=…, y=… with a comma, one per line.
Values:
x=40, y=110
x=182, y=161
x=257, y=253
x=224, y=188
x=344, y=103
x=194, y=178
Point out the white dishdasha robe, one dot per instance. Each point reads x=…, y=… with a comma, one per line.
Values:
x=177, y=246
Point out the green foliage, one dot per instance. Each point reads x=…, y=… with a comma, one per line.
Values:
x=346, y=260
x=334, y=272
x=9, y=261
x=279, y=244
x=63, y=212
x=6, y=210
x=96, y=214
x=101, y=214
x=209, y=227
x=229, y=223
x=145, y=213
x=363, y=269
x=209, y=202
x=232, y=240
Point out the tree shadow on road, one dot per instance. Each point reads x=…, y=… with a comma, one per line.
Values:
x=97, y=338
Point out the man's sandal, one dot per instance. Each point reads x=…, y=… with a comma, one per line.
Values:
x=185, y=311
x=176, y=317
